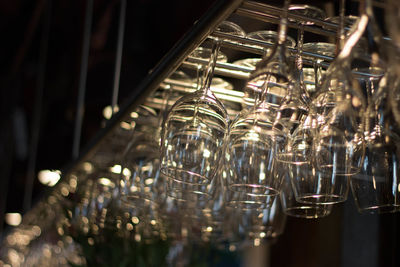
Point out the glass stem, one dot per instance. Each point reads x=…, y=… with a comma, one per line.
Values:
x=209, y=71
x=299, y=64
x=356, y=35
x=207, y=76
x=341, y=36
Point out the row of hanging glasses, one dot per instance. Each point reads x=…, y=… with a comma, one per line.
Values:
x=205, y=162
x=310, y=147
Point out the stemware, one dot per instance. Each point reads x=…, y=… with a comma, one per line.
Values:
x=253, y=90
x=293, y=108
x=295, y=113
x=341, y=128
x=330, y=144
x=194, y=132
x=309, y=12
x=253, y=138
x=296, y=209
x=193, y=136
x=270, y=37
x=230, y=28
x=375, y=187
x=256, y=225
x=325, y=51
x=339, y=145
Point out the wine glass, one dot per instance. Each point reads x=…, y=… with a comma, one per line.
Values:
x=339, y=145
x=330, y=145
x=253, y=139
x=253, y=91
x=256, y=225
x=231, y=28
x=345, y=28
x=373, y=187
x=309, y=12
x=296, y=209
x=295, y=113
x=193, y=136
x=270, y=37
x=324, y=50
x=194, y=132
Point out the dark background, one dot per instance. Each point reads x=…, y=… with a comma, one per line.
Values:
x=345, y=238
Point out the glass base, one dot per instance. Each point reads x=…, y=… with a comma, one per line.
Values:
x=309, y=212
x=388, y=208
x=321, y=199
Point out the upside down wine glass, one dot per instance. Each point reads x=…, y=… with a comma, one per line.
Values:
x=334, y=146
x=250, y=153
x=294, y=108
x=193, y=136
x=375, y=188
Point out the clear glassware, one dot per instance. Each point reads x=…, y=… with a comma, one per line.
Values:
x=253, y=139
x=256, y=226
x=194, y=132
x=140, y=169
x=294, y=111
x=339, y=145
x=329, y=146
x=344, y=118
x=270, y=37
x=311, y=12
x=231, y=28
x=253, y=90
x=250, y=95
x=349, y=22
x=193, y=137
x=323, y=49
x=373, y=187
x=294, y=208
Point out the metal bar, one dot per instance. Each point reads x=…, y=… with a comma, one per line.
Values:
x=268, y=13
x=257, y=46
x=28, y=37
x=272, y=10
x=254, y=14
x=82, y=80
x=37, y=115
x=118, y=57
x=225, y=69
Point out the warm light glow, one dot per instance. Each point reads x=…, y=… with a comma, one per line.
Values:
x=149, y=181
x=107, y=112
x=134, y=115
x=206, y=153
x=13, y=219
x=126, y=172
x=87, y=166
x=106, y=182
x=129, y=227
x=135, y=220
x=49, y=177
x=138, y=237
x=127, y=126
x=116, y=169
